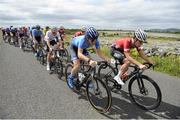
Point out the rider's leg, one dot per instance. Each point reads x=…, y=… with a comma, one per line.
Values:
x=76, y=66
x=48, y=60
x=124, y=68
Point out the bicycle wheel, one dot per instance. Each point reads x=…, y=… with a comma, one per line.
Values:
x=145, y=92
x=98, y=95
x=64, y=55
x=107, y=73
x=41, y=57
x=85, y=66
x=58, y=68
x=68, y=71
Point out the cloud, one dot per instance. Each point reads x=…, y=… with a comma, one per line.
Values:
x=113, y=14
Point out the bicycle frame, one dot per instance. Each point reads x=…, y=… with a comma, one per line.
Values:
x=90, y=72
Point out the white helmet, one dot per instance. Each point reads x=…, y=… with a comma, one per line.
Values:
x=83, y=29
x=54, y=29
x=140, y=35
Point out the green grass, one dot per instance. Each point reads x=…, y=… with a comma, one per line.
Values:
x=170, y=65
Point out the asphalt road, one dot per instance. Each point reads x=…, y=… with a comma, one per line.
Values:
x=28, y=91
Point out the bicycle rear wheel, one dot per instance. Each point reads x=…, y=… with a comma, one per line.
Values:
x=98, y=95
x=145, y=92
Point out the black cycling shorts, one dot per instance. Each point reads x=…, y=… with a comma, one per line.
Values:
x=117, y=54
x=53, y=42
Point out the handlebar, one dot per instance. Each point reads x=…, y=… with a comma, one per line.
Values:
x=149, y=65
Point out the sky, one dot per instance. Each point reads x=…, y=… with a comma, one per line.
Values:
x=101, y=14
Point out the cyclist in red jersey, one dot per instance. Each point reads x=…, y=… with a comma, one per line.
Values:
x=121, y=50
x=79, y=33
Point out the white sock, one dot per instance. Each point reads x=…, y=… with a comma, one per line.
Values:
x=48, y=63
x=119, y=73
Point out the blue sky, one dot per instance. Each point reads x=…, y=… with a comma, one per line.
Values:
x=102, y=14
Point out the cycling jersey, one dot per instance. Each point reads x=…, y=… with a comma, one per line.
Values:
x=78, y=34
x=8, y=31
x=45, y=31
x=125, y=45
x=37, y=33
x=81, y=42
x=50, y=37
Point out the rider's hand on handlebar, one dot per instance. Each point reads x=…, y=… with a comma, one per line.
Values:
x=113, y=61
x=142, y=67
x=109, y=60
x=92, y=63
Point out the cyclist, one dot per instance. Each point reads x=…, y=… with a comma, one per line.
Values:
x=78, y=51
x=52, y=38
x=8, y=35
x=62, y=36
x=14, y=35
x=79, y=33
x=21, y=34
x=32, y=28
x=121, y=50
x=3, y=33
x=37, y=37
x=46, y=29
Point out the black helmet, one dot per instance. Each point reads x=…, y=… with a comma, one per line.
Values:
x=38, y=27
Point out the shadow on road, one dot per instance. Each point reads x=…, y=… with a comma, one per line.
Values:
x=124, y=109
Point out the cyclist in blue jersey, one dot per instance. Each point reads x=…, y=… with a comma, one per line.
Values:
x=37, y=36
x=78, y=52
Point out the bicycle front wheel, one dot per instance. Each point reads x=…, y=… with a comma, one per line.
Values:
x=59, y=68
x=145, y=92
x=98, y=95
x=65, y=55
x=68, y=69
x=107, y=73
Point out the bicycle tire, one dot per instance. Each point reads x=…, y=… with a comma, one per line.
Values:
x=105, y=66
x=101, y=106
x=68, y=68
x=65, y=55
x=41, y=57
x=156, y=102
x=58, y=67
x=108, y=74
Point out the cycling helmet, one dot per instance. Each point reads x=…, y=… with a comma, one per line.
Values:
x=47, y=27
x=38, y=27
x=61, y=28
x=140, y=35
x=54, y=29
x=91, y=33
x=83, y=29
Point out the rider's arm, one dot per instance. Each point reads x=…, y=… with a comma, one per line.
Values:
x=48, y=43
x=143, y=56
x=132, y=60
x=81, y=56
